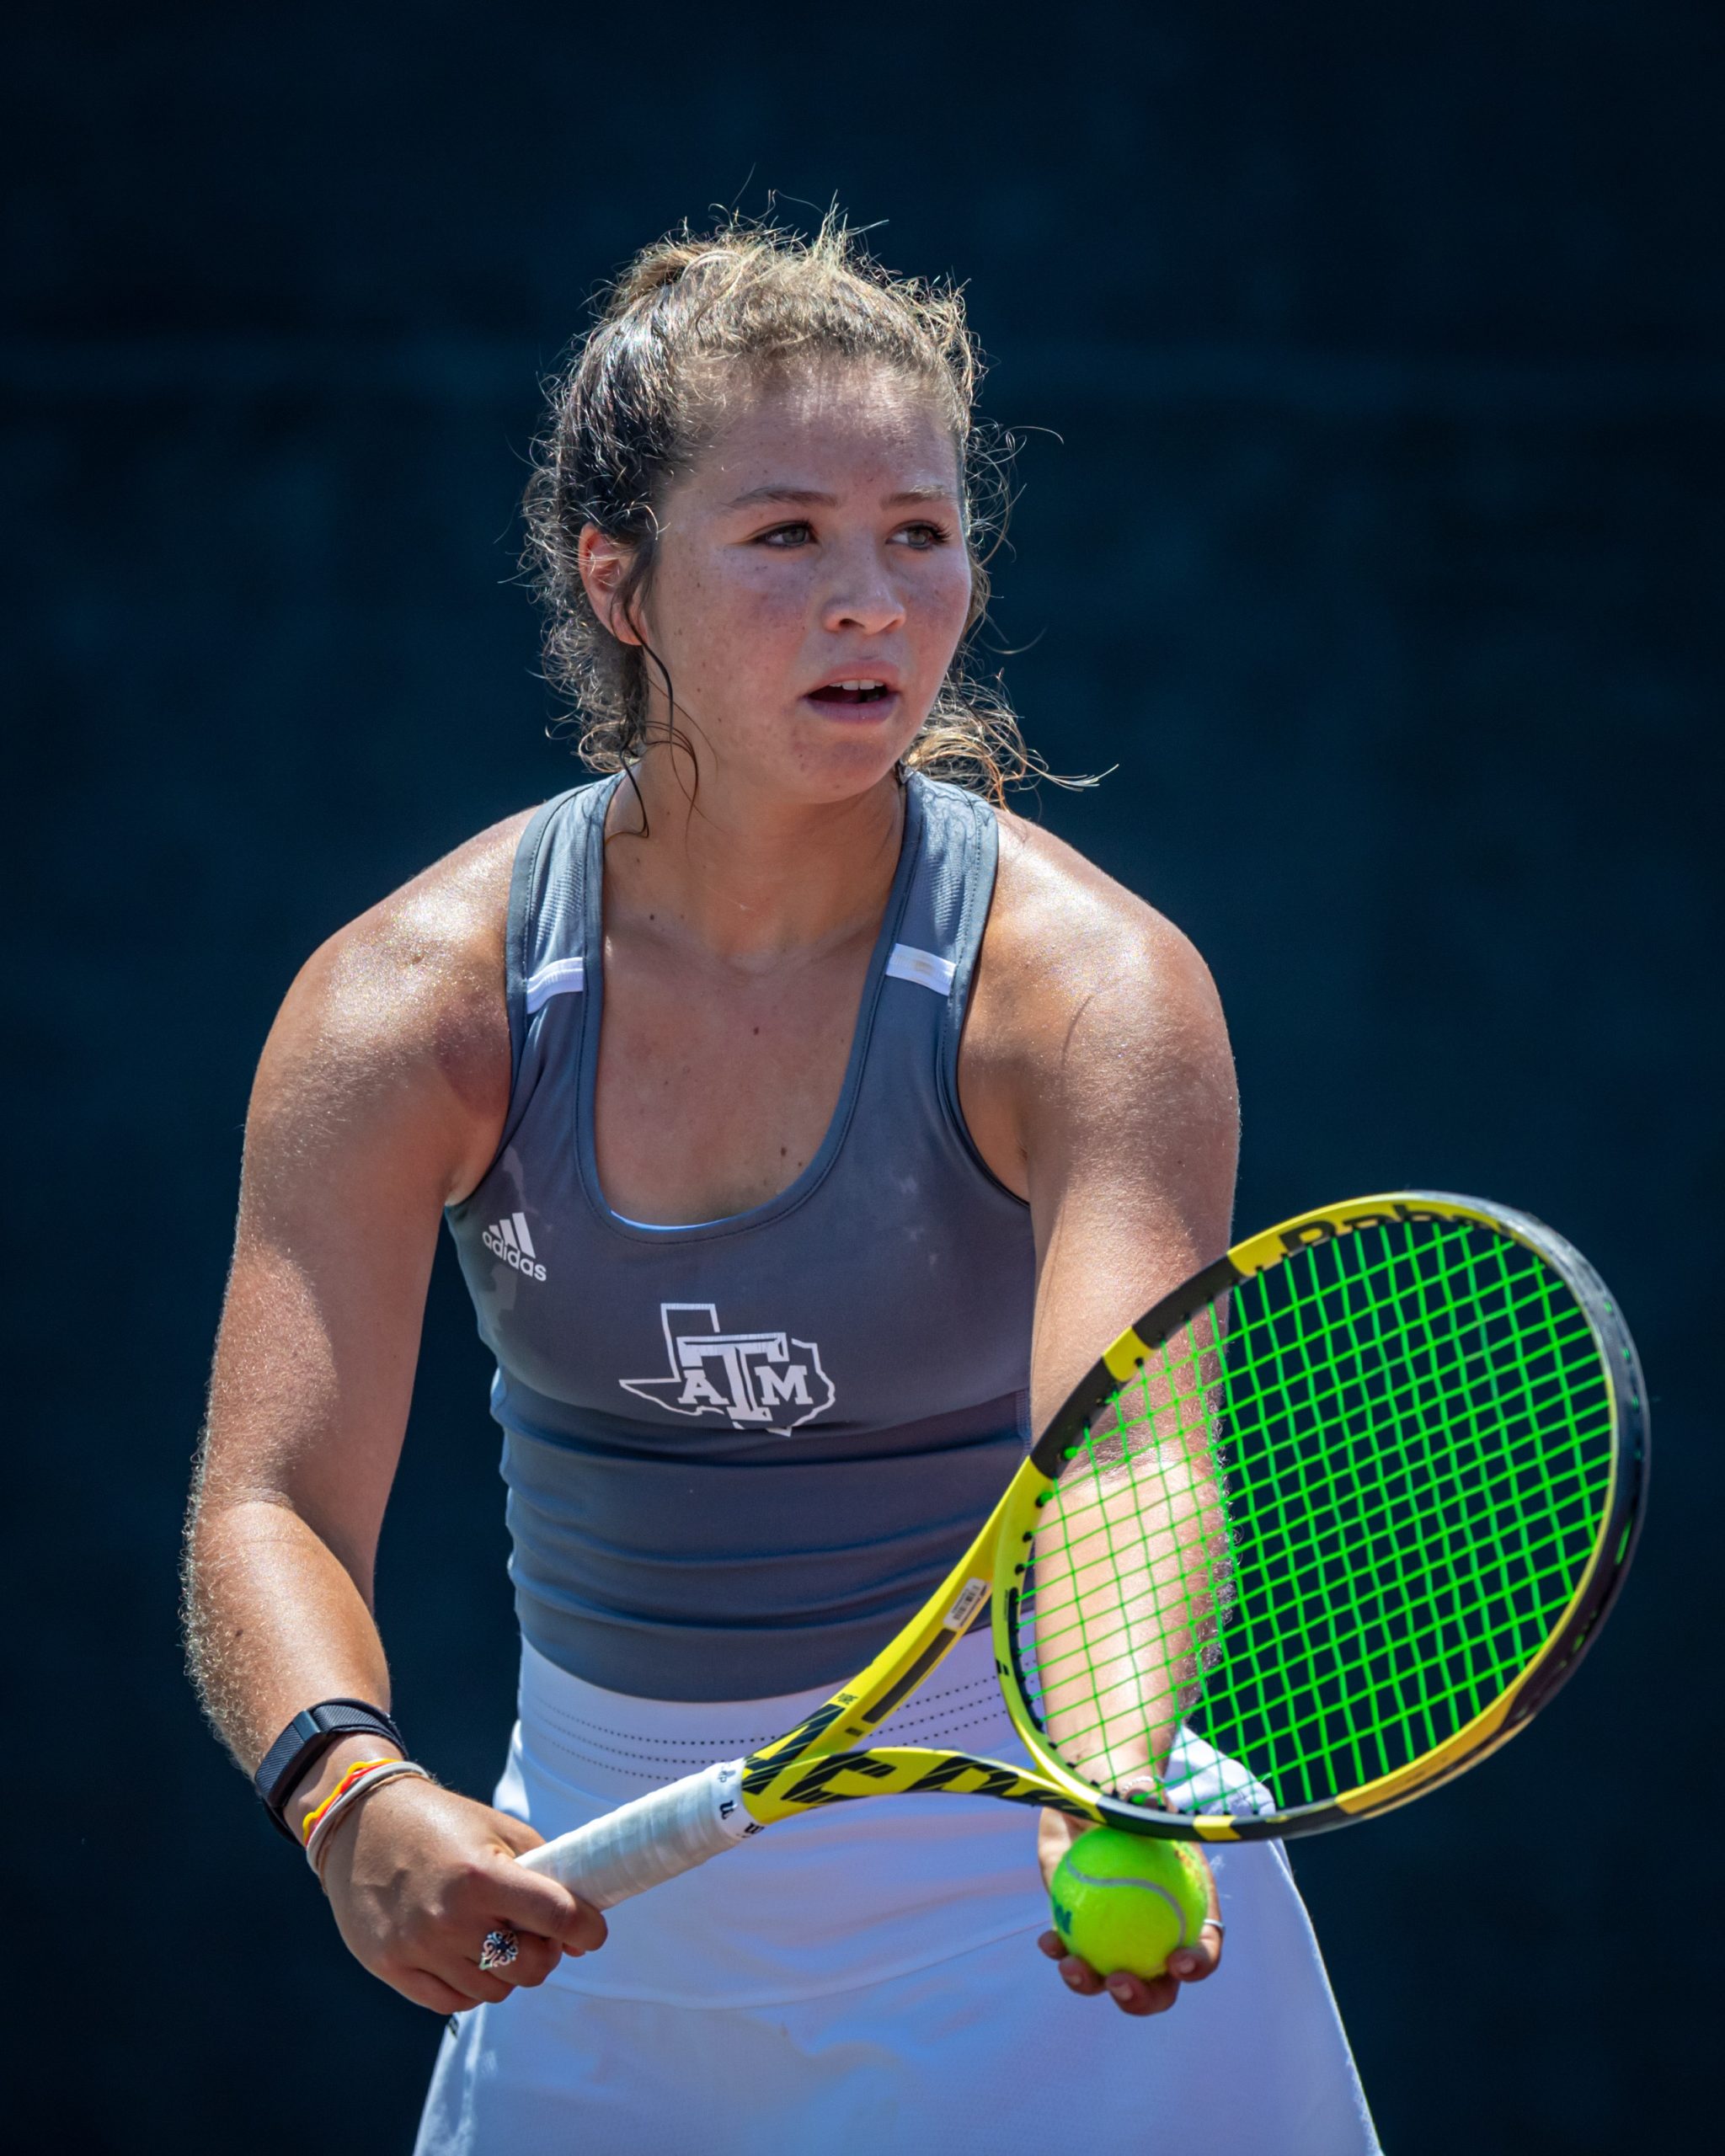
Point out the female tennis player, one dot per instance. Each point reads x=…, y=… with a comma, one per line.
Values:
x=803, y=1120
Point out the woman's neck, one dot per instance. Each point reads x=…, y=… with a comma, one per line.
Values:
x=749, y=879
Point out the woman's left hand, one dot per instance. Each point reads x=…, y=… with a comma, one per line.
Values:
x=1137, y=1995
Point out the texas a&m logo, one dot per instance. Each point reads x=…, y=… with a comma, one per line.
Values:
x=760, y=1380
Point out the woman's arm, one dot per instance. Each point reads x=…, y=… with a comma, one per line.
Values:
x=380, y=1097
x=1098, y=1082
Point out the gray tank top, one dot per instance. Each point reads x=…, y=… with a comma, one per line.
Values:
x=739, y=1451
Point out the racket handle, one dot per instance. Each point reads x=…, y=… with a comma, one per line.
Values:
x=653, y=1838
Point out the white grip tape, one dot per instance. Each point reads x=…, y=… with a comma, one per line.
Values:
x=653, y=1839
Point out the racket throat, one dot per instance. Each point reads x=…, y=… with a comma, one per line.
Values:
x=971, y=1601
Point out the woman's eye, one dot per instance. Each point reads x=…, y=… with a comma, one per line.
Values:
x=921, y=536
x=787, y=535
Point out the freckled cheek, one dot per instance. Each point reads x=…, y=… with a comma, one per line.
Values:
x=724, y=622
x=768, y=628
x=752, y=644
x=936, y=613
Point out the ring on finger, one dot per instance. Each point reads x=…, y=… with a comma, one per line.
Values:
x=499, y=1949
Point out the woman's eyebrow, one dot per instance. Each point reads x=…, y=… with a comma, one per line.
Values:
x=799, y=494
x=804, y=496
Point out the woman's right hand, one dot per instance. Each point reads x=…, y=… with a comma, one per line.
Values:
x=419, y=1876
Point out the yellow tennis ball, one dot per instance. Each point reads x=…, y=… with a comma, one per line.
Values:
x=1126, y=1902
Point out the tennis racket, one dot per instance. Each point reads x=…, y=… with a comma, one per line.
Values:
x=1332, y=1522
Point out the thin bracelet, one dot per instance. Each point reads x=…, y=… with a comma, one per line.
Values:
x=387, y=1770
x=390, y=1770
x=308, y=1824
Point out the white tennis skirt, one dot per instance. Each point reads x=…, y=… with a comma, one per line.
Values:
x=871, y=1969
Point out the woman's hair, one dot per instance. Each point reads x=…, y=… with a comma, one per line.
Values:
x=632, y=410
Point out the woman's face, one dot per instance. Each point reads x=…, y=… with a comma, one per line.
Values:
x=811, y=583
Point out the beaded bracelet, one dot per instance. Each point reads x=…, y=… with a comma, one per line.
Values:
x=372, y=1774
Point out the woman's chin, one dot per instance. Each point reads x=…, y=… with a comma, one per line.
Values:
x=833, y=760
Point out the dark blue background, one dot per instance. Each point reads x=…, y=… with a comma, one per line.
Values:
x=1375, y=538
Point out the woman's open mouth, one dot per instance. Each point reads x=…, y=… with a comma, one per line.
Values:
x=859, y=692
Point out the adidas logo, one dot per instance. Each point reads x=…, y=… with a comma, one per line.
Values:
x=509, y=1240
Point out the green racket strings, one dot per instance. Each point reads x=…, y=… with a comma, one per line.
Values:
x=1324, y=1527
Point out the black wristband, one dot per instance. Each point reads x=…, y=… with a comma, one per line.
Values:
x=305, y=1741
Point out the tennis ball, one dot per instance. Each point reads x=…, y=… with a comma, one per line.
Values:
x=1126, y=1902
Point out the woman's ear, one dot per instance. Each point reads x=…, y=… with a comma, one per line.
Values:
x=606, y=563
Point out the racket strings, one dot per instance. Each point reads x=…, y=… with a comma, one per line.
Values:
x=1451, y=1609
x=1320, y=1553
x=1330, y=1520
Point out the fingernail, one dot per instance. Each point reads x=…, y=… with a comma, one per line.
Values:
x=1120, y=1988
x=1182, y=1965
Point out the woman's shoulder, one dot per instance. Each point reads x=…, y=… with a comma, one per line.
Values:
x=1088, y=1001
x=1093, y=1022
x=1061, y=925
x=438, y=938
x=400, y=1017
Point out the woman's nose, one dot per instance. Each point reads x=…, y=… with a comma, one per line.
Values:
x=862, y=594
